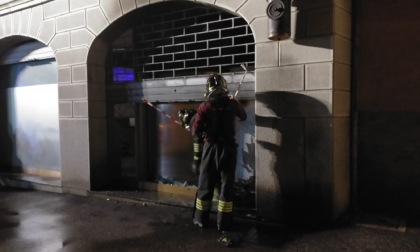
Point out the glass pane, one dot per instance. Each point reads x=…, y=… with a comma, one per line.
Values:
x=30, y=129
x=33, y=126
x=30, y=73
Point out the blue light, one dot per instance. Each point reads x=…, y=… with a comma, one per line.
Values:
x=121, y=74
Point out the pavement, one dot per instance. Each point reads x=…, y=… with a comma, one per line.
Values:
x=40, y=221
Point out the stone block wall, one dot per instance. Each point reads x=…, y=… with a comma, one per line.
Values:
x=303, y=115
x=302, y=94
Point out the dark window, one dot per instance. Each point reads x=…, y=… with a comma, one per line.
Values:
x=234, y=31
x=244, y=39
x=173, y=65
x=184, y=55
x=208, y=35
x=231, y=68
x=225, y=15
x=162, y=42
x=208, y=53
x=233, y=50
x=163, y=58
x=195, y=63
x=220, y=60
x=208, y=70
x=220, y=25
x=164, y=26
x=144, y=60
x=184, y=22
x=185, y=72
x=146, y=76
x=173, y=16
x=239, y=22
x=208, y=18
x=220, y=42
x=163, y=74
x=244, y=58
x=196, y=46
x=184, y=39
x=152, y=36
x=152, y=51
x=175, y=32
x=251, y=48
x=152, y=20
x=195, y=12
x=173, y=49
x=143, y=29
x=153, y=67
x=195, y=29
x=144, y=44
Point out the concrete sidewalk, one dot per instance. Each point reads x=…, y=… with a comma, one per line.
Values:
x=46, y=222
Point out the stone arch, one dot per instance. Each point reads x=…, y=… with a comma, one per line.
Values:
x=29, y=23
x=109, y=13
x=10, y=41
x=32, y=134
x=118, y=20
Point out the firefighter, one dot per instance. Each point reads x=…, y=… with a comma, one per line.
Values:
x=215, y=120
x=187, y=117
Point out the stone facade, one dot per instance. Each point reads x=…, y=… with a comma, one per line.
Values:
x=302, y=94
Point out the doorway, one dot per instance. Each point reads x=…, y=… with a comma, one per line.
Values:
x=165, y=56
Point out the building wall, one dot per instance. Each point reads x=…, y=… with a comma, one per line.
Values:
x=302, y=95
x=386, y=77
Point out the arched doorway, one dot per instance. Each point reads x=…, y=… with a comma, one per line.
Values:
x=29, y=127
x=164, y=53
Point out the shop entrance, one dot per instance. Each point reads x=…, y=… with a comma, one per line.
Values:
x=166, y=57
x=148, y=151
x=148, y=147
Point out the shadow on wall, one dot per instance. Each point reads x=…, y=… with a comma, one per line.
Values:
x=320, y=27
x=299, y=158
x=9, y=161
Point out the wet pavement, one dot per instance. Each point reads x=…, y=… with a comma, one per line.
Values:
x=41, y=221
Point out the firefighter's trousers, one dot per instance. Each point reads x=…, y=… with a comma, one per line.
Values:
x=217, y=168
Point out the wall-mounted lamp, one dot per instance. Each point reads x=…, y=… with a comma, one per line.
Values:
x=278, y=12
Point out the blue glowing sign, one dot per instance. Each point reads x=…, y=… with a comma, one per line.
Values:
x=121, y=74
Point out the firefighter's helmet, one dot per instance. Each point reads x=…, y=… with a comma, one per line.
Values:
x=216, y=85
x=185, y=116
